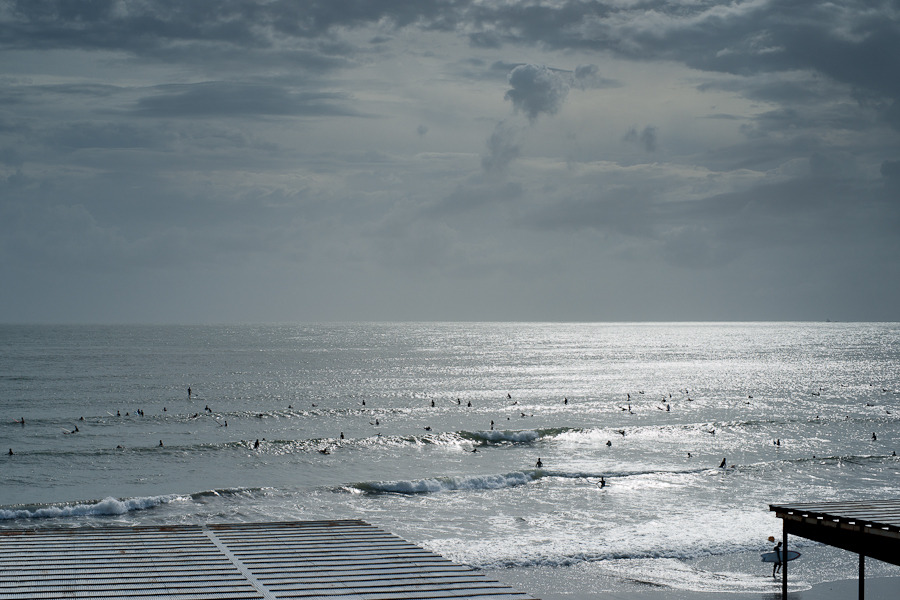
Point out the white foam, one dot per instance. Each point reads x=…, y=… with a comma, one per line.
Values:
x=443, y=484
x=106, y=507
x=496, y=436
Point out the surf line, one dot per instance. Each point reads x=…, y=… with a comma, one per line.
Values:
x=237, y=562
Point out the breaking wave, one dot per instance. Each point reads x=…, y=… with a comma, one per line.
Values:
x=106, y=507
x=445, y=484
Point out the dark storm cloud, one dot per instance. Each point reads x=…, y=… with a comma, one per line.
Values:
x=217, y=99
x=854, y=42
x=535, y=90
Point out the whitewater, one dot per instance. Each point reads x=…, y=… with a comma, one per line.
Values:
x=433, y=431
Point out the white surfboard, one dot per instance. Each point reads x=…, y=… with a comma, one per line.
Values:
x=776, y=556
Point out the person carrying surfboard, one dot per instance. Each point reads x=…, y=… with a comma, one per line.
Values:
x=776, y=566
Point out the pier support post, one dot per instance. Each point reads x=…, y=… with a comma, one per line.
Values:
x=784, y=562
x=862, y=576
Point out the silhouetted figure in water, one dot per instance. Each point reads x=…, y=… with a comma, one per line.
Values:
x=874, y=437
x=469, y=404
x=722, y=464
x=492, y=424
x=10, y=452
x=256, y=444
x=342, y=435
x=565, y=400
x=428, y=428
x=22, y=422
x=160, y=444
x=602, y=483
x=508, y=397
x=189, y=393
x=324, y=451
x=689, y=455
x=539, y=464
x=777, y=566
x=609, y=443
x=432, y=404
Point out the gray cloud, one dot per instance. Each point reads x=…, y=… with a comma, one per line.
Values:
x=503, y=147
x=216, y=99
x=646, y=138
x=150, y=145
x=535, y=90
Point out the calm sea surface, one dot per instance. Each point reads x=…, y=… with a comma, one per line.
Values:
x=433, y=432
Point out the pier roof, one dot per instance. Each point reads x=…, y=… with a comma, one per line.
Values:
x=314, y=560
x=866, y=527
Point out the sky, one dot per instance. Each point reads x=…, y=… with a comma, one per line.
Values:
x=164, y=161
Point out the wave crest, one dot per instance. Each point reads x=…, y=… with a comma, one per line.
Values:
x=107, y=507
x=445, y=484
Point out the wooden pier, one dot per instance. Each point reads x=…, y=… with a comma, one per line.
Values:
x=313, y=560
x=866, y=527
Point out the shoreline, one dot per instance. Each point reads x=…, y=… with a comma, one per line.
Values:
x=822, y=572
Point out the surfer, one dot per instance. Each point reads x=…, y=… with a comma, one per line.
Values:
x=492, y=424
x=874, y=437
x=539, y=464
x=602, y=483
x=10, y=452
x=777, y=566
x=342, y=435
x=160, y=444
x=256, y=444
x=722, y=464
x=189, y=393
x=609, y=443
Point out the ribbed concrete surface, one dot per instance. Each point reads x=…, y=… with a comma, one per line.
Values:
x=334, y=560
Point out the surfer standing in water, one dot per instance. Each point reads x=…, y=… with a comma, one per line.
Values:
x=539, y=464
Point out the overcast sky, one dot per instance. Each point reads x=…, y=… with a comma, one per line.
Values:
x=290, y=160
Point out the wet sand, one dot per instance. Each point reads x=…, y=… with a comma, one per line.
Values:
x=822, y=573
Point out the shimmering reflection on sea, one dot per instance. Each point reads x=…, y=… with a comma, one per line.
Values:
x=432, y=431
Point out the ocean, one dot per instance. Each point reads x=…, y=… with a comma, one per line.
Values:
x=433, y=431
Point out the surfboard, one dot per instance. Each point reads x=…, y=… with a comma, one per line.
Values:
x=776, y=557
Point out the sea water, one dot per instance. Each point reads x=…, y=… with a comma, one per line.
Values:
x=433, y=431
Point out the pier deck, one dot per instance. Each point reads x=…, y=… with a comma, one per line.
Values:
x=313, y=560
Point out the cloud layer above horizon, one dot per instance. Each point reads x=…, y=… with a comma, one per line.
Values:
x=236, y=160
